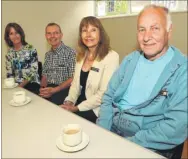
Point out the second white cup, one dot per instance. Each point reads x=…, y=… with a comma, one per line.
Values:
x=19, y=97
x=72, y=135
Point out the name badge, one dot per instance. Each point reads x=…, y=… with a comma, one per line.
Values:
x=94, y=69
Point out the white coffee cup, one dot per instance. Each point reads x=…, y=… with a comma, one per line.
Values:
x=72, y=135
x=19, y=97
x=9, y=82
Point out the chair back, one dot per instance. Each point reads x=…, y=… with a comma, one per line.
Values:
x=40, y=69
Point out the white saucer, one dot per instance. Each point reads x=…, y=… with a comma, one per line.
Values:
x=82, y=145
x=15, y=85
x=12, y=103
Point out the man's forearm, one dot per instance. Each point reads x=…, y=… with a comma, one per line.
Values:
x=25, y=82
x=63, y=85
x=43, y=82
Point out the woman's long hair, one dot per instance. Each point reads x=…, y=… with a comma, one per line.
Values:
x=104, y=41
x=18, y=29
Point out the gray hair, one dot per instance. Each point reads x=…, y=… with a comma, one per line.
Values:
x=166, y=11
x=53, y=24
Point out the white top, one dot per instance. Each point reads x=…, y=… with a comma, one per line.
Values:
x=96, y=84
x=31, y=131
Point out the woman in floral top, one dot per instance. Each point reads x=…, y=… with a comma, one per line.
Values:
x=21, y=59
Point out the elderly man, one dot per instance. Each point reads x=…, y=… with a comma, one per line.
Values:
x=146, y=99
x=58, y=66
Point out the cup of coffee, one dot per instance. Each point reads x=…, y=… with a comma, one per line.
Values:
x=9, y=82
x=72, y=135
x=19, y=97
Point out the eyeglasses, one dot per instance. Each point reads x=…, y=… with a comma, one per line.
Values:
x=52, y=33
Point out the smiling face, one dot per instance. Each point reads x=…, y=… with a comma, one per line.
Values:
x=53, y=36
x=14, y=36
x=152, y=33
x=90, y=36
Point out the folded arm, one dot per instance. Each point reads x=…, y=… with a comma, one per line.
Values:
x=106, y=111
x=171, y=131
x=9, y=69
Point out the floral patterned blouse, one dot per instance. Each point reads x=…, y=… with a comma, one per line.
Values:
x=23, y=64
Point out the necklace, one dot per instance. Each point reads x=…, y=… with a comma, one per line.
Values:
x=88, y=62
x=90, y=57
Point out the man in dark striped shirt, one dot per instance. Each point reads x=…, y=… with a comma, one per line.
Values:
x=58, y=68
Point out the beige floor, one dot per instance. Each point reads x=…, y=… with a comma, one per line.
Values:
x=185, y=151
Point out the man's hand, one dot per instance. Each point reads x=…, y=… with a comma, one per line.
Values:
x=70, y=108
x=47, y=92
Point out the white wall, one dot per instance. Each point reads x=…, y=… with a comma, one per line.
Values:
x=122, y=33
x=33, y=16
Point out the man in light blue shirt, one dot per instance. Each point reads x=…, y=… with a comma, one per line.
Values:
x=146, y=99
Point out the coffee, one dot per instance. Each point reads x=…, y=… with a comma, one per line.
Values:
x=72, y=134
x=72, y=131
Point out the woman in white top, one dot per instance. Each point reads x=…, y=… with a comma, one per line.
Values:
x=96, y=63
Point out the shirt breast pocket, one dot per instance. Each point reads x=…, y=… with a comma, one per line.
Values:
x=62, y=63
x=62, y=69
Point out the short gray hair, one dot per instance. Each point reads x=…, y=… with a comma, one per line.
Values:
x=53, y=24
x=166, y=11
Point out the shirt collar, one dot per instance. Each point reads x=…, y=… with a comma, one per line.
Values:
x=165, y=58
x=22, y=47
x=59, y=48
